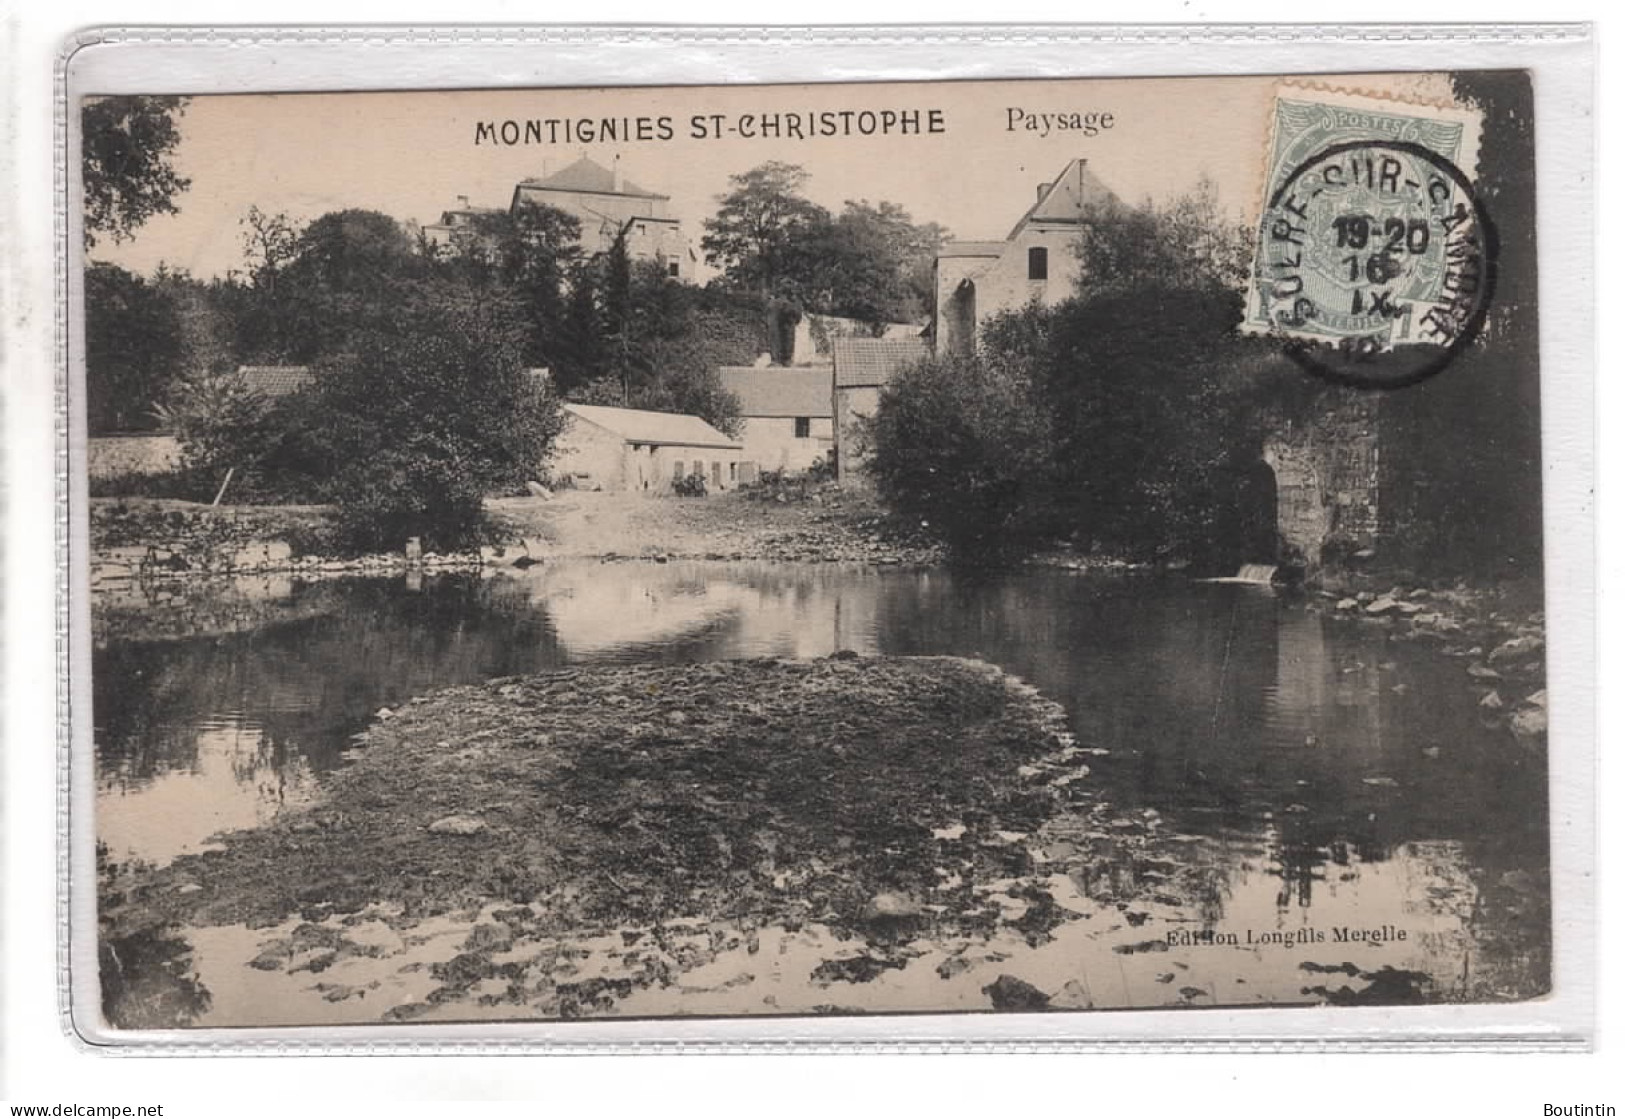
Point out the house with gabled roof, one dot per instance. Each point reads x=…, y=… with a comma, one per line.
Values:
x=1037, y=261
x=608, y=205
x=455, y=223
x=787, y=415
x=623, y=450
x=863, y=366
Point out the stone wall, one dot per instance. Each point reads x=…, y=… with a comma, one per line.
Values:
x=109, y=456
x=852, y=407
x=1327, y=482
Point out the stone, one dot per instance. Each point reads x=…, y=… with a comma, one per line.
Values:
x=536, y=489
x=1383, y=605
x=1537, y=700
x=1073, y=996
x=1009, y=993
x=1528, y=723
x=1516, y=649
x=891, y=906
x=1348, y=604
x=457, y=825
x=1492, y=702
x=1481, y=672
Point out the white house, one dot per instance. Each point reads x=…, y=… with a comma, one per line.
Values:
x=787, y=414
x=633, y=451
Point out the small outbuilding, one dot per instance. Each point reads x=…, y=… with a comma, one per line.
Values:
x=787, y=415
x=634, y=451
x=863, y=366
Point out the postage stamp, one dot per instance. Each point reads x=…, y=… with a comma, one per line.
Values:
x=807, y=550
x=1371, y=236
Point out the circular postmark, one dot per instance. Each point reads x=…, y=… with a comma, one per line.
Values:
x=1376, y=263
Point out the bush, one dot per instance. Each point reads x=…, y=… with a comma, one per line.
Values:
x=690, y=485
x=423, y=420
x=963, y=446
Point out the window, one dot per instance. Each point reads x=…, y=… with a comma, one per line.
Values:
x=677, y=471
x=716, y=475
x=803, y=427
x=1038, y=263
x=672, y=269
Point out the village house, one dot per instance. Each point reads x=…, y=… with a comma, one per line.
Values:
x=788, y=422
x=159, y=451
x=606, y=204
x=628, y=450
x=455, y=223
x=862, y=367
x=1036, y=261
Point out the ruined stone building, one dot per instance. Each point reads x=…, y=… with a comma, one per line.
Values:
x=1036, y=261
x=607, y=205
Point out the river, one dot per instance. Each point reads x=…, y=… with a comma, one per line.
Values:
x=1332, y=780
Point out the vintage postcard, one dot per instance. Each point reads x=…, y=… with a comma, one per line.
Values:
x=781, y=550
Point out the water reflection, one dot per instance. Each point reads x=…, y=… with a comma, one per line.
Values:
x=1314, y=774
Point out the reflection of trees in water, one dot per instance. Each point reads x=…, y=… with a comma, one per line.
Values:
x=148, y=982
x=147, y=979
x=308, y=683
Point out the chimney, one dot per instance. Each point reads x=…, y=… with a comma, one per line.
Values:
x=462, y=200
x=1042, y=187
x=617, y=180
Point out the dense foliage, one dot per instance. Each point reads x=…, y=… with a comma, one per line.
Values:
x=128, y=170
x=871, y=262
x=133, y=344
x=964, y=446
x=1124, y=417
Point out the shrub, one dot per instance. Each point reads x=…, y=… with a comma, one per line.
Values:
x=962, y=446
x=420, y=422
x=689, y=485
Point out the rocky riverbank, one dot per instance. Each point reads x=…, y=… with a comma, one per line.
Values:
x=1497, y=632
x=156, y=540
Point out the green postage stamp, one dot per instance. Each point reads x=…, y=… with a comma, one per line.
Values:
x=1371, y=236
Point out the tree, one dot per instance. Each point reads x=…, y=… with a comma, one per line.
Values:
x=759, y=228
x=529, y=252
x=881, y=263
x=128, y=170
x=426, y=414
x=963, y=445
x=134, y=348
x=1473, y=501
x=1186, y=242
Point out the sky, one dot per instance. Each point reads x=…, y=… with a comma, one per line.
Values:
x=411, y=155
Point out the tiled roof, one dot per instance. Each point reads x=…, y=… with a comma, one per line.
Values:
x=273, y=381
x=670, y=429
x=779, y=392
x=872, y=361
x=593, y=178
